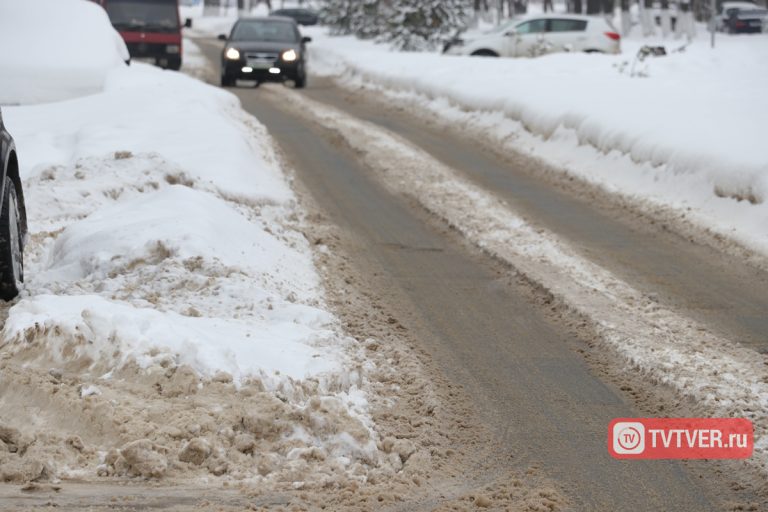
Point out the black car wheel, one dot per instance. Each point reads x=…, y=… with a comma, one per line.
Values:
x=301, y=78
x=11, y=255
x=174, y=64
x=227, y=81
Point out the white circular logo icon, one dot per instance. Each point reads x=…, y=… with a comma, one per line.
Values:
x=628, y=438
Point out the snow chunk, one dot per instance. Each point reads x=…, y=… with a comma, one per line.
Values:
x=176, y=222
x=91, y=328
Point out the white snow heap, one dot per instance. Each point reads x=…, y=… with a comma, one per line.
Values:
x=55, y=49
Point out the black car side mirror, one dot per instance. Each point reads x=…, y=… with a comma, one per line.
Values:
x=188, y=23
x=222, y=37
x=305, y=40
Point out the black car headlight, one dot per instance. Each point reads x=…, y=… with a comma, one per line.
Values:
x=289, y=55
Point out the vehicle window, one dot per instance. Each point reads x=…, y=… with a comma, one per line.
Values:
x=262, y=30
x=503, y=27
x=567, y=25
x=143, y=14
x=531, y=27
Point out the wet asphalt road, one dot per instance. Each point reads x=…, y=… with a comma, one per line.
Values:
x=538, y=394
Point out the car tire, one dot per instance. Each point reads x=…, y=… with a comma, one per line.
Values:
x=174, y=64
x=300, y=80
x=484, y=53
x=227, y=81
x=11, y=244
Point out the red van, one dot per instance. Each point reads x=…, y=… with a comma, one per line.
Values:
x=151, y=29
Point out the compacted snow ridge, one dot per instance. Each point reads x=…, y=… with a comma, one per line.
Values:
x=172, y=311
x=687, y=134
x=723, y=378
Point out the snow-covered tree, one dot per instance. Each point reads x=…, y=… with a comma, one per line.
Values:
x=337, y=14
x=666, y=19
x=407, y=24
x=367, y=20
x=646, y=17
x=422, y=24
x=362, y=18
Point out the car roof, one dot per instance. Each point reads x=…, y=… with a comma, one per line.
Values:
x=554, y=16
x=283, y=19
x=732, y=5
x=291, y=9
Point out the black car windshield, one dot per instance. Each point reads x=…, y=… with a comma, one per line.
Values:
x=143, y=14
x=265, y=30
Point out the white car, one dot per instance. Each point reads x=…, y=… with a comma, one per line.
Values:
x=538, y=35
x=727, y=7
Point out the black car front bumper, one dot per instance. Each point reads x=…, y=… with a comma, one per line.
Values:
x=272, y=71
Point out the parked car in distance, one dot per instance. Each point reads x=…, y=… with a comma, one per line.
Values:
x=301, y=16
x=538, y=35
x=269, y=49
x=746, y=21
x=151, y=29
x=724, y=9
x=13, y=219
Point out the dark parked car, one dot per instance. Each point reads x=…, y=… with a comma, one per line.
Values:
x=265, y=50
x=13, y=219
x=302, y=16
x=746, y=21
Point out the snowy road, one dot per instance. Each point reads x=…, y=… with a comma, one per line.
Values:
x=724, y=293
x=507, y=345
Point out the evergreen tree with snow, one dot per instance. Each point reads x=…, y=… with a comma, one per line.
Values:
x=415, y=25
x=359, y=17
x=367, y=20
x=337, y=14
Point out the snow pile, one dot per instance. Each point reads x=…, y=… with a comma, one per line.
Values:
x=165, y=262
x=197, y=135
x=182, y=224
x=687, y=134
x=109, y=211
x=55, y=49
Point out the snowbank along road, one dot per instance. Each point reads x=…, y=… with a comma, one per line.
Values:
x=554, y=309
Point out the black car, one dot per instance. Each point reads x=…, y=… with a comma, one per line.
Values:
x=746, y=21
x=302, y=16
x=13, y=219
x=264, y=50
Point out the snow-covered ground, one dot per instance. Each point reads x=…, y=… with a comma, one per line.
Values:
x=164, y=245
x=683, y=130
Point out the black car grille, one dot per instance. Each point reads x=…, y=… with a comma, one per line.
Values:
x=261, y=55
